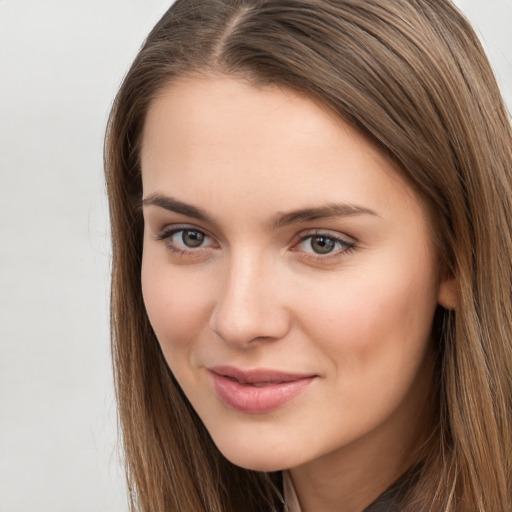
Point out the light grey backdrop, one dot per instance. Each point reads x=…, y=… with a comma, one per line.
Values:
x=60, y=64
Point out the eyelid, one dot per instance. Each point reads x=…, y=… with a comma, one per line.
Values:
x=348, y=244
x=174, y=228
x=165, y=235
x=329, y=233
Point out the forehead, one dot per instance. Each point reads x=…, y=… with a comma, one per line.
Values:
x=227, y=144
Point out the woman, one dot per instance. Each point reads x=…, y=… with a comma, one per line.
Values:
x=311, y=292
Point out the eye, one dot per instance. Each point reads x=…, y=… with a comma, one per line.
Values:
x=190, y=237
x=324, y=245
x=185, y=239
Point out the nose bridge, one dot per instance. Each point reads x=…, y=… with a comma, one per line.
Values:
x=249, y=306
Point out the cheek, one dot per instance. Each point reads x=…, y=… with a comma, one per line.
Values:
x=177, y=305
x=374, y=338
x=380, y=320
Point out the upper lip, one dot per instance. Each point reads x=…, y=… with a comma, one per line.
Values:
x=258, y=375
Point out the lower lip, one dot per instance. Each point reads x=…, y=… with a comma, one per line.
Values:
x=257, y=399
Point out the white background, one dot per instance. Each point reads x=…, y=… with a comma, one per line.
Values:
x=60, y=64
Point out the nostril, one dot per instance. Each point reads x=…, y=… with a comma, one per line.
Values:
x=244, y=325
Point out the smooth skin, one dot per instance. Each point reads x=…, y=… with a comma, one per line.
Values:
x=278, y=237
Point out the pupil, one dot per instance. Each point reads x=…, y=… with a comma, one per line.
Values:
x=322, y=244
x=192, y=238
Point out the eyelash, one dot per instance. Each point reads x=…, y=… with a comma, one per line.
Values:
x=167, y=234
x=346, y=246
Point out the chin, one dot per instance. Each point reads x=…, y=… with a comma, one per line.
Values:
x=255, y=457
x=255, y=462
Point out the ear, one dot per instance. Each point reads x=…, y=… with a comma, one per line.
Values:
x=448, y=295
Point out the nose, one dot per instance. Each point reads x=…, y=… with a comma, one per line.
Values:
x=251, y=304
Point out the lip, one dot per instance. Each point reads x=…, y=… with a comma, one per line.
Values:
x=259, y=390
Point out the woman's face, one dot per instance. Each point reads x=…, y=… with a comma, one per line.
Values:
x=289, y=275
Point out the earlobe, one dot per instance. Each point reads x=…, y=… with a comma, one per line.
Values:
x=448, y=295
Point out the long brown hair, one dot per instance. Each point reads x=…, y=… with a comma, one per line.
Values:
x=411, y=75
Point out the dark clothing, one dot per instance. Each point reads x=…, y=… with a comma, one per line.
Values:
x=390, y=500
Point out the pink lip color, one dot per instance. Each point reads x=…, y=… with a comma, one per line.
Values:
x=257, y=391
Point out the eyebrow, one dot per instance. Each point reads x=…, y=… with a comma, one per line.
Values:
x=281, y=219
x=323, y=212
x=173, y=205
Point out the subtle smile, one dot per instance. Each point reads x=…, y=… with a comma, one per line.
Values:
x=257, y=391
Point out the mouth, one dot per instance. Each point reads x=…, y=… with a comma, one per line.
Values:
x=257, y=391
